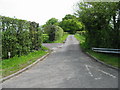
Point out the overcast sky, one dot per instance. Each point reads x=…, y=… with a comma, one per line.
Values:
x=37, y=10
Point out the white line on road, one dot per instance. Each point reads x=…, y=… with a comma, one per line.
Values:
x=87, y=66
x=89, y=71
x=98, y=78
x=107, y=73
x=53, y=51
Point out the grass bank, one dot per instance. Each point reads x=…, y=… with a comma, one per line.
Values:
x=111, y=59
x=12, y=65
x=62, y=39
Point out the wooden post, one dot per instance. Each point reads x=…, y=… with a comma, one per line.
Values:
x=9, y=54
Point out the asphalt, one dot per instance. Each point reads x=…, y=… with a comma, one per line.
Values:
x=66, y=67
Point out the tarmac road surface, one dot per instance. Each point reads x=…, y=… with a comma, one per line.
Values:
x=66, y=67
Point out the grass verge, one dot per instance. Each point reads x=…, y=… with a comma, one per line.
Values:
x=111, y=59
x=62, y=39
x=12, y=65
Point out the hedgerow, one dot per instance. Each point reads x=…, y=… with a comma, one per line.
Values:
x=45, y=38
x=19, y=37
x=81, y=32
x=58, y=33
x=54, y=32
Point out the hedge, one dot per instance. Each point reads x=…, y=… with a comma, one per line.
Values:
x=45, y=38
x=58, y=33
x=81, y=32
x=54, y=32
x=19, y=37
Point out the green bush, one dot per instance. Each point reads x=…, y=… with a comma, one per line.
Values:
x=45, y=38
x=82, y=39
x=58, y=33
x=81, y=32
x=65, y=33
x=54, y=32
x=19, y=37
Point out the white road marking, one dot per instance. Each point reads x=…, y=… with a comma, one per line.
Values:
x=68, y=78
x=98, y=78
x=60, y=46
x=107, y=73
x=89, y=71
x=54, y=48
x=87, y=66
x=54, y=51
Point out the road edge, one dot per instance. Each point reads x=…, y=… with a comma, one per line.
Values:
x=97, y=60
x=26, y=68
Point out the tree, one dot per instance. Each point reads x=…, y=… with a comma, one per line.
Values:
x=70, y=24
x=69, y=16
x=52, y=21
x=101, y=22
x=54, y=32
x=52, y=29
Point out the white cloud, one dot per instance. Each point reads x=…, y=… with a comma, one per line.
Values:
x=37, y=10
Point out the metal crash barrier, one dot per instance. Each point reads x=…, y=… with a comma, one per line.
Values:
x=106, y=50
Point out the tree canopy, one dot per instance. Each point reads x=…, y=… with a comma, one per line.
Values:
x=102, y=22
x=69, y=16
x=52, y=21
x=52, y=29
x=70, y=24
